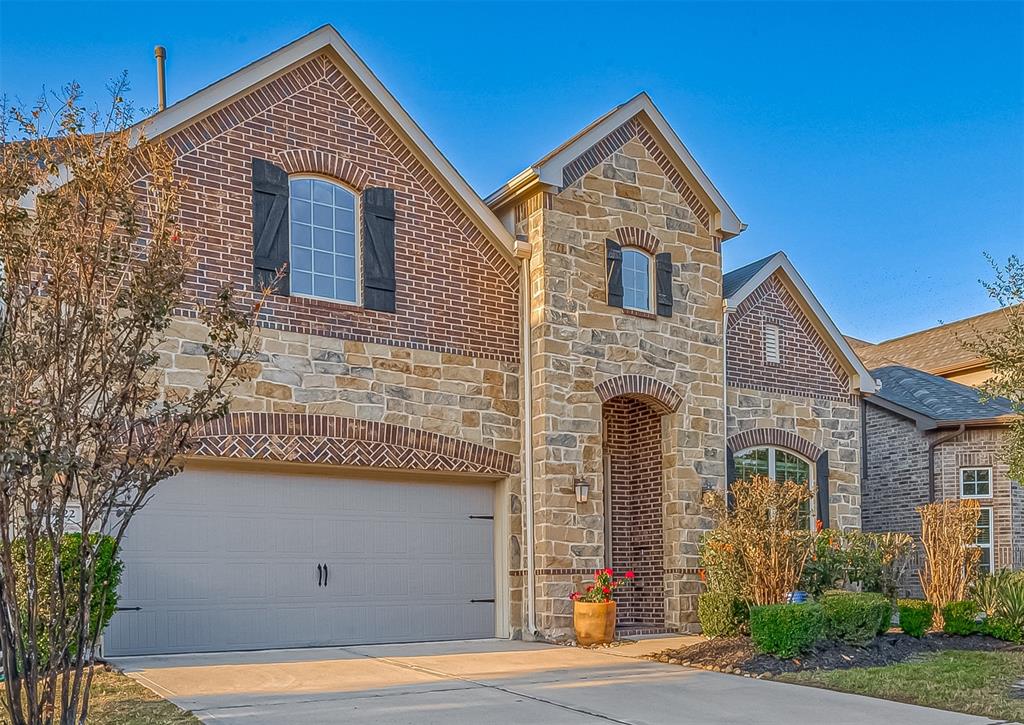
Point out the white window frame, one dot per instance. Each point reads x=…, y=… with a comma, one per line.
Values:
x=987, y=510
x=811, y=483
x=975, y=495
x=358, y=233
x=650, y=279
x=777, y=334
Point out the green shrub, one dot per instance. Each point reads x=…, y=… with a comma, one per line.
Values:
x=916, y=616
x=961, y=618
x=103, y=601
x=786, y=630
x=721, y=614
x=855, y=618
x=1004, y=629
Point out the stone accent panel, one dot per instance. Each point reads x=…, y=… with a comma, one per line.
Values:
x=808, y=367
x=652, y=391
x=807, y=426
x=456, y=292
x=633, y=444
x=324, y=439
x=774, y=437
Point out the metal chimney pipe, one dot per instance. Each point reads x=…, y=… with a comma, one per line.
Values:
x=160, y=53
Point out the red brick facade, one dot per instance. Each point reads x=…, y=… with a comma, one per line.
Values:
x=633, y=444
x=455, y=291
x=807, y=368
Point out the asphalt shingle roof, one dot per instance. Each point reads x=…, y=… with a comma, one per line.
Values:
x=734, y=280
x=937, y=398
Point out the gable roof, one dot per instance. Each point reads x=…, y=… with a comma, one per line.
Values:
x=326, y=39
x=937, y=349
x=934, y=401
x=547, y=171
x=740, y=283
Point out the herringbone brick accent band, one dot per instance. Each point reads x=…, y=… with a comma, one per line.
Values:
x=333, y=440
x=305, y=161
x=774, y=437
x=597, y=153
x=652, y=391
x=636, y=237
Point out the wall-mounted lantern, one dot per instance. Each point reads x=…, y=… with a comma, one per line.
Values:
x=582, y=490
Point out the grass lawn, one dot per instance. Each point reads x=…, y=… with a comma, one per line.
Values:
x=972, y=682
x=120, y=700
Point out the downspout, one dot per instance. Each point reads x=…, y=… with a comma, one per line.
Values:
x=725, y=394
x=931, y=458
x=525, y=304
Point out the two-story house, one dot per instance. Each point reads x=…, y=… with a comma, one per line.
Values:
x=465, y=406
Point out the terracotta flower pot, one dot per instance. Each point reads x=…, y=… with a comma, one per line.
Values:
x=593, y=622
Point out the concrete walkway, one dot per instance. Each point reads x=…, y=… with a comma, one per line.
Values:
x=492, y=682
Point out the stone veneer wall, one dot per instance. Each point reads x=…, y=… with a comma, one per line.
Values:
x=578, y=342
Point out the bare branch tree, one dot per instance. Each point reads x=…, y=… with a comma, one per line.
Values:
x=94, y=270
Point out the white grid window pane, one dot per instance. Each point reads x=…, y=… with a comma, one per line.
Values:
x=975, y=482
x=323, y=240
x=636, y=280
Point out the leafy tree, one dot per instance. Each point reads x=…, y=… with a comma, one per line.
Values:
x=1004, y=348
x=94, y=269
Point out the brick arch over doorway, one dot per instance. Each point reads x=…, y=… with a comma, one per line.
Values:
x=339, y=441
x=654, y=392
x=757, y=437
x=635, y=495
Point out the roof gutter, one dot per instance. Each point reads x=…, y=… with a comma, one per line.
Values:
x=931, y=457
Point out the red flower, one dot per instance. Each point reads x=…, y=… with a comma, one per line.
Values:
x=590, y=588
x=630, y=575
x=574, y=596
x=608, y=572
x=606, y=590
x=597, y=574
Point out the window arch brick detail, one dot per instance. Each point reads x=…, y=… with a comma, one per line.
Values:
x=655, y=392
x=636, y=237
x=759, y=437
x=339, y=441
x=307, y=161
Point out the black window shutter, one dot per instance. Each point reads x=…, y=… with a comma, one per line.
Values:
x=269, y=224
x=379, y=249
x=613, y=257
x=821, y=481
x=663, y=266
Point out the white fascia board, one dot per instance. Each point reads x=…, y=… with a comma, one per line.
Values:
x=322, y=39
x=550, y=168
x=863, y=380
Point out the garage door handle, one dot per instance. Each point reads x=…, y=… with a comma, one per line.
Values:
x=325, y=575
x=319, y=575
x=481, y=601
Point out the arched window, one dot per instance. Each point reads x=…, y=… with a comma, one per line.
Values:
x=778, y=464
x=324, y=245
x=637, y=292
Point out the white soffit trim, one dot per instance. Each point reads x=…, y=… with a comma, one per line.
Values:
x=864, y=382
x=548, y=170
x=326, y=38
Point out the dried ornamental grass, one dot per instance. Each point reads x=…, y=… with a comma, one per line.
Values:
x=948, y=532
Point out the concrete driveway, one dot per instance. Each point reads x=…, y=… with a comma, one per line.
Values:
x=492, y=682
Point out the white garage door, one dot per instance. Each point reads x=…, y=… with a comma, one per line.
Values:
x=225, y=559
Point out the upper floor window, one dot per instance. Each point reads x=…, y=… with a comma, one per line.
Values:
x=636, y=280
x=975, y=483
x=772, y=345
x=323, y=243
x=777, y=464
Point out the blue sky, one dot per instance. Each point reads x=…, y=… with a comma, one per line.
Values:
x=880, y=145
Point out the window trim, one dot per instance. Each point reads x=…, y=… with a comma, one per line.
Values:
x=975, y=495
x=651, y=281
x=357, y=210
x=812, y=483
x=991, y=545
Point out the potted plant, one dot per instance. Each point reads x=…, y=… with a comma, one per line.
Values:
x=593, y=609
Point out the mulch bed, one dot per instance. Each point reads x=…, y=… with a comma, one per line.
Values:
x=736, y=655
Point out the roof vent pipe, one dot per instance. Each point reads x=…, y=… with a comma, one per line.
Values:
x=160, y=53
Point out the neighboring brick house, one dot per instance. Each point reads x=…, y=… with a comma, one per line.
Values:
x=398, y=469
x=794, y=390
x=932, y=439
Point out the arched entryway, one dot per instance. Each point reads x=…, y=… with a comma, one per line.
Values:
x=632, y=412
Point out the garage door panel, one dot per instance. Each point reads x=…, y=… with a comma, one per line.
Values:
x=224, y=560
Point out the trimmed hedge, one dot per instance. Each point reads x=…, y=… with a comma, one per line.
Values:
x=786, y=630
x=721, y=614
x=961, y=618
x=855, y=618
x=916, y=616
x=1004, y=629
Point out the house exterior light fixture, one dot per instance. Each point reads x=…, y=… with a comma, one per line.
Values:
x=582, y=490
